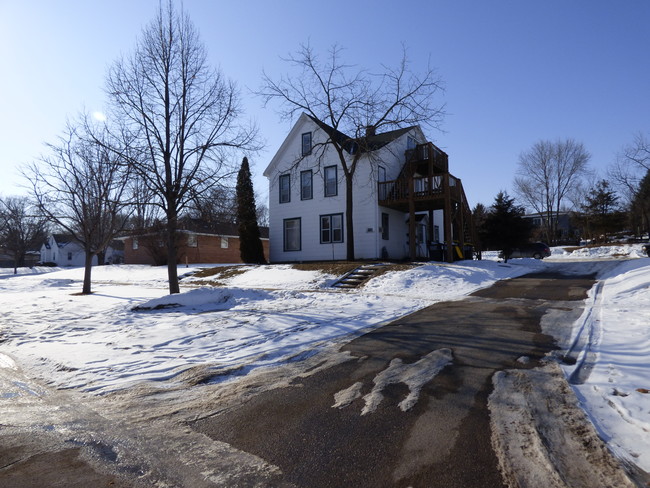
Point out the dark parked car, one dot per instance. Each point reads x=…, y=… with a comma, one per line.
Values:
x=646, y=249
x=537, y=250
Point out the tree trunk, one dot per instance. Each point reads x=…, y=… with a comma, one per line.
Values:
x=88, y=266
x=172, y=254
x=349, y=221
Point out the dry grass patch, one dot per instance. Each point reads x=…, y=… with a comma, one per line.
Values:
x=217, y=274
x=395, y=267
x=328, y=267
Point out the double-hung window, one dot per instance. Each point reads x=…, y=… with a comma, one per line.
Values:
x=291, y=231
x=306, y=143
x=285, y=188
x=331, y=228
x=331, y=181
x=306, y=185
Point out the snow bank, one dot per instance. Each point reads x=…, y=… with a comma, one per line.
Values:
x=616, y=392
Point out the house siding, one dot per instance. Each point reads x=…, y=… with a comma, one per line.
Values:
x=64, y=254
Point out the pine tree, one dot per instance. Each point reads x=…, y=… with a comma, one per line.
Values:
x=504, y=227
x=601, y=213
x=250, y=244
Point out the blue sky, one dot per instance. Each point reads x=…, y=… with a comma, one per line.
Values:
x=515, y=71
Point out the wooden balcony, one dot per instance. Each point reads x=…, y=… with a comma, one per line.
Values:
x=428, y=192
x=428, y=158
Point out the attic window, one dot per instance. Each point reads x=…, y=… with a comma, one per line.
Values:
x=306, y=143
x=411, y=143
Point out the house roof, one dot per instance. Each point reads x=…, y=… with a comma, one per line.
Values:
x=367, y=143
x=62, y=239
x=199, y=226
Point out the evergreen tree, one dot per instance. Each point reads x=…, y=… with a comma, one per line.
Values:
x=250, y=244
x=601, y=215
x=504, y=227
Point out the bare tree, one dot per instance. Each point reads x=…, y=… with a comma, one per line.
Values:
x=631, y=166
x=81, y=187
x=218, y=206
x=179, y=115
x=22, y=228
x=354, y=103
x=547, y=175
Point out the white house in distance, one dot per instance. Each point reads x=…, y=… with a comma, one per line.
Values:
x=64, y=250
x=406, y=205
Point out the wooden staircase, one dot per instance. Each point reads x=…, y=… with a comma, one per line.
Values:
x=358, y=276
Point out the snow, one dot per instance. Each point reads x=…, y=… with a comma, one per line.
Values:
x=130, y=331
x=415, y=376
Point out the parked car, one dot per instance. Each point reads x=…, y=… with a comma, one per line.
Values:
x=646, y=249
x=537, y=250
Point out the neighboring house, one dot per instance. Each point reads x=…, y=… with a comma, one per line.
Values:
x=197, y=243
x=406, y=202
x=64, y=250
x=566, y=231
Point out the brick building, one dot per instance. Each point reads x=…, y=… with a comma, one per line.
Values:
x=217, y=245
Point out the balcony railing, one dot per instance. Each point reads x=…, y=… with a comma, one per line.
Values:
x=425, y=187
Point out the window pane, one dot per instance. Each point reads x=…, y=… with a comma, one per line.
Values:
x=410, y=143
x=285, y=189
x=306, y=185
x=330, y=181
x=325, y=229
x=337, y=228
x=292, y=235
x=306, y=143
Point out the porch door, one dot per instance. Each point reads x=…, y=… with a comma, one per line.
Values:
x=421, y=240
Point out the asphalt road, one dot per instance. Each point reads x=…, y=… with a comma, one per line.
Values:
x=444, y=440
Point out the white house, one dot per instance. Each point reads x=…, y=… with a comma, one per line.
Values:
x=405, y=202
x=64, y=250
